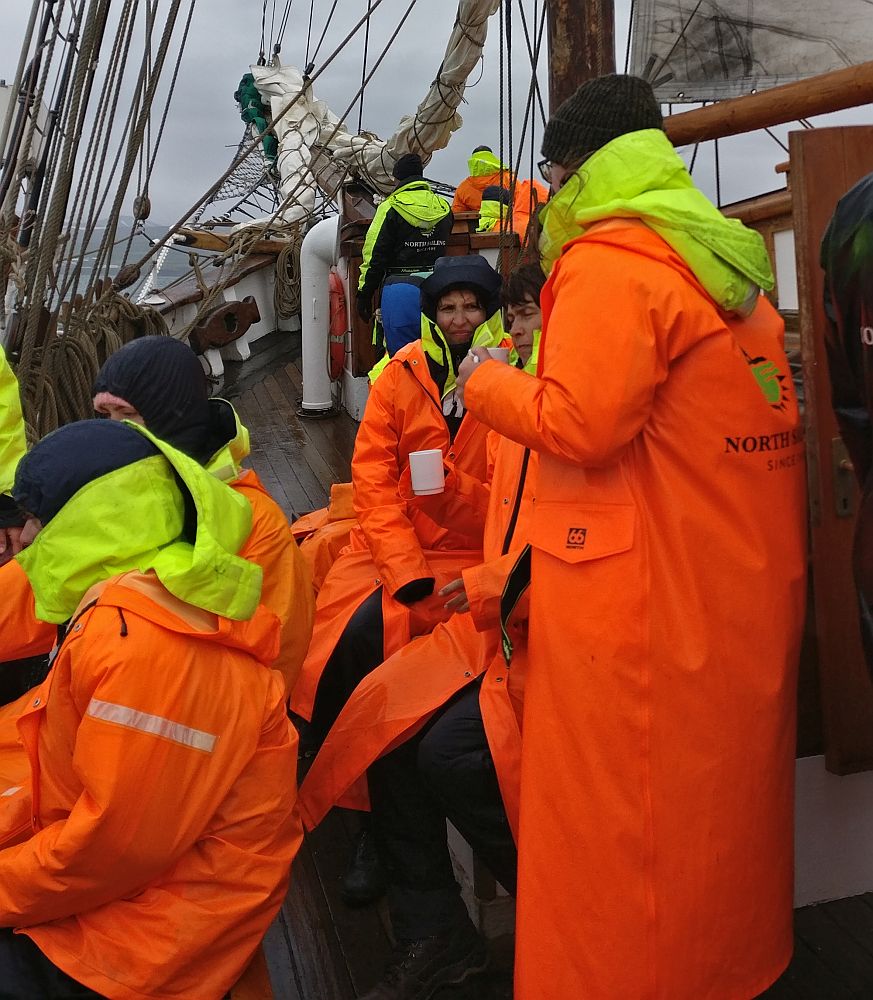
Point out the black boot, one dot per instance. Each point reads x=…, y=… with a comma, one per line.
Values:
x=420, y=968
x=364, y=881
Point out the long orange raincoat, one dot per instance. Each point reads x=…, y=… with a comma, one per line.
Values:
x=400, y=537
x=397, y=698
x=666, y=604
x=147, y=846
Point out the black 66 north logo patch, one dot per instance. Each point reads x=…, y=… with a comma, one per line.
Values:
x=576, y=538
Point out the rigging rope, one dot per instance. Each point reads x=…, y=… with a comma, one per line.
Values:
x=364, y=66
x=309, y=36
x=324, y=32
x=286, y=293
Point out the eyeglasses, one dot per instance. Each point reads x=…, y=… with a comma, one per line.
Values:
x=546, y=168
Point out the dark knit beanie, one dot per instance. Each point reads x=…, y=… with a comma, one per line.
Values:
x=59, y=465
x=599, y=111
x=163, y=380
x=494, y=192
x=407, y=167
x=482, y=149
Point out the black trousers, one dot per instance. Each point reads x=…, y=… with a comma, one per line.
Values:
x=359, y=651
x=19, y=676
x=443, y=772
x=26, y=974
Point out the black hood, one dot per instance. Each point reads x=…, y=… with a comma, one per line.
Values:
x=163, y=380
x=470, y=271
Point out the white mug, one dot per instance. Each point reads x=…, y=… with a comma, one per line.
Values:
x=499, y=353
x=428, y=474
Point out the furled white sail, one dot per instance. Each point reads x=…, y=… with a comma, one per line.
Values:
x=309, y=124
x=708, y=50
x=301, y=126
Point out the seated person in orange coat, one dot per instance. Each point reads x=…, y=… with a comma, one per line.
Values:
x=381, y=591
x=496, y=214
x=448, y=705
x=486, y=170
x=147, y=811
x=159, y=382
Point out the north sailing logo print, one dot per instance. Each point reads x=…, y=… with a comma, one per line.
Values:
x=771, y=381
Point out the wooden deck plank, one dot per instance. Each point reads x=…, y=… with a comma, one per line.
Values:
x=250, y=414
x=307, y=449
x=855, y=916
x=342, y=431
x=806, y=978
x=318, y=963
x=322, y=433
x=361, y=932
x=277, y=952
x=851, y=967
x=301, y=487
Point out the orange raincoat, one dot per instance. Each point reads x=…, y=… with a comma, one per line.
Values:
x=323, y=534
x=400, y=537
x=396, y=699
x=287, y=589
x=148, y=847
x=666, y=604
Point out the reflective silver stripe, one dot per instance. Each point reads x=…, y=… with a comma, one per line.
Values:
x=155, y=724
x=11, y=791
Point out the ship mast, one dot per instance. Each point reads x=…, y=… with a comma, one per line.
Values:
x=581, y=44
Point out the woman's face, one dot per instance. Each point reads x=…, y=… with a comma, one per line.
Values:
x=458, y=314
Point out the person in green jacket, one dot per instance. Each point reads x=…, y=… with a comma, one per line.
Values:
x=12, y=448
x=407, y=234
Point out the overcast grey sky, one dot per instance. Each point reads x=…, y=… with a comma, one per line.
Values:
x=204, y=127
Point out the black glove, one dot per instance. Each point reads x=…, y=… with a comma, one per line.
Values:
x=415, y=590
x=364, y=307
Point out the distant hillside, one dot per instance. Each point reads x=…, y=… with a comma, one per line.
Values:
x=175, y=265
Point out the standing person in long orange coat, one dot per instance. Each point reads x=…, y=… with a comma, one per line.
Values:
x=666, y=566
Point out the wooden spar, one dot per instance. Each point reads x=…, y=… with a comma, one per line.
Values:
x=206, y=240
x=581, y=44
x=818, y=95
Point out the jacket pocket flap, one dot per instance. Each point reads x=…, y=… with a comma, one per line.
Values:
x=577, y=532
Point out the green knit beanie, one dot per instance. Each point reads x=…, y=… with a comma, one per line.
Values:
x=599, y=111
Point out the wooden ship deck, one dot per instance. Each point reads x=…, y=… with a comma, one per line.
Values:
x=320, y=949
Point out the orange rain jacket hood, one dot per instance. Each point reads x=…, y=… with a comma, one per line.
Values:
x=666, y=606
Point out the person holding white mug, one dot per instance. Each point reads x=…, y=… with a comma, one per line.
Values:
x=405, y=546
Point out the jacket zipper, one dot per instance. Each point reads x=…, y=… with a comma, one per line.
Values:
x=439, y=408
x=510, y=528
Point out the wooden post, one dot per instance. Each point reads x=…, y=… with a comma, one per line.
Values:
x=819, y=95
x=581, y=44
